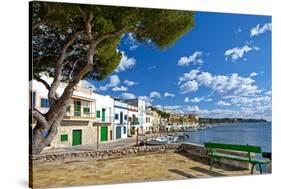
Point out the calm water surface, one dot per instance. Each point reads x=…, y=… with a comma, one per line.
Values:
x=257, y=134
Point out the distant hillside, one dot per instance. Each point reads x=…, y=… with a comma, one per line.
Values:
x=228, y=120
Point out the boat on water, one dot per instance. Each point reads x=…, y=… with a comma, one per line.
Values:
x=167, y=139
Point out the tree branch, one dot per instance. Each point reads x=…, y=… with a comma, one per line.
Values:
x=37, y=78
x=39, y=118
x=111, y=34
x=38, y=24
x=58, y=70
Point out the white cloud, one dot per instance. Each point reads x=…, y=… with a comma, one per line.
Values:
x=188, y=76
x=195, y=58
x=189, y=86
x=131, y=41
x=196, y=100
x=258, y=29
x=130, y=83
x=186, y=99
x=238, y=53
x=192, y=109
x=209, y=100
x=121, y=88
x=128, y=96
x=223, y=103
x=222, y=84
x=253, y=74
x=205, y=78
x=125, y=63
x=155, y=94
x=166, y=94
x=114, y=82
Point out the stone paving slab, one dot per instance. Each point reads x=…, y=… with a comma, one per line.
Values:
x=152, y=167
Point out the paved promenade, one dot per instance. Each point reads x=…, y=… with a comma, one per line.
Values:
x=102, y=146
x=152, y=167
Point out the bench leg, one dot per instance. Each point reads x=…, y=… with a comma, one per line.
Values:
x=210, y=163
x=260, y=168
x=252, y=169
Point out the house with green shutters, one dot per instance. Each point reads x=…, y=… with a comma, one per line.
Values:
x=89, y=116
x=120, y=119
x=104, y=117
x=78, y=125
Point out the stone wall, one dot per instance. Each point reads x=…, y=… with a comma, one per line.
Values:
x=105, y=154
x=193, y=151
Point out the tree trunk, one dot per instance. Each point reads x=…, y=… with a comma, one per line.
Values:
x=44, y=135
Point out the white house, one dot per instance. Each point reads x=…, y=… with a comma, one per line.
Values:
x=133, y=119
x=141, y=113
x=121, y=119
x=104, y=116
x=77, y=125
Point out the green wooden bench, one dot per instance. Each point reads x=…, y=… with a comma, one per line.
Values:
x=215, y=155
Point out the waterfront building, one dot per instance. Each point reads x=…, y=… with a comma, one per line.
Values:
x=120, y=119
x=133, y=119
x=155, y=119
x=104, y=122
x=77, y=125
x=148, y=120
x=141, y=113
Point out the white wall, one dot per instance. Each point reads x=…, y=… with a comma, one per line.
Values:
x=118, y=108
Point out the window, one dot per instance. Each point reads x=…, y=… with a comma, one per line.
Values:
x=98, y=114
x=125, y=117
x=33, y=98
x=77, y=107
x=63, y=137
x=116, y=116
x=124, y=130
x=86, y=108
x=44, y=103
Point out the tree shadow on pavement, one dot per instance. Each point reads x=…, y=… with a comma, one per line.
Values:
x=179, y=172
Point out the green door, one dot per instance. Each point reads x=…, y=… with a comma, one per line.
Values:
x=76, y=137
x=118, y=132
x=103, y=115
x=104, y=131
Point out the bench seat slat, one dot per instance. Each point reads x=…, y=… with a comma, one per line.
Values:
x=238, y=158
x=234, y=147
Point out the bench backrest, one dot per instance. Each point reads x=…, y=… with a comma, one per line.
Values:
x=234, y=147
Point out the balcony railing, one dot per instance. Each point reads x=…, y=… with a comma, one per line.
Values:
x=135, y=122
x=79, y=112
x=105, y=119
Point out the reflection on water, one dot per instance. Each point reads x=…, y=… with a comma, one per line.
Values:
x=258, y=134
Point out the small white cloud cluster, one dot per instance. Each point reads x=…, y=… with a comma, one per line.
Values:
x=238, y=53
x=128, y=96
x=155, y=94
x=195, y=58
x=114, y=81
x=166, y=94
x=130, y=83
x=125, y=63
x=258, y=29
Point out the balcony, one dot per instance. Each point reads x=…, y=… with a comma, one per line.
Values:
x=77, y=112
x=135, y=122
x=105, y=119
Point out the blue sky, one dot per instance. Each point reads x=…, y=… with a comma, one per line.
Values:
x=221, y=68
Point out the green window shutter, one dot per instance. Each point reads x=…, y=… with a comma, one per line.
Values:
x=98, y=114
x=63, y=138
